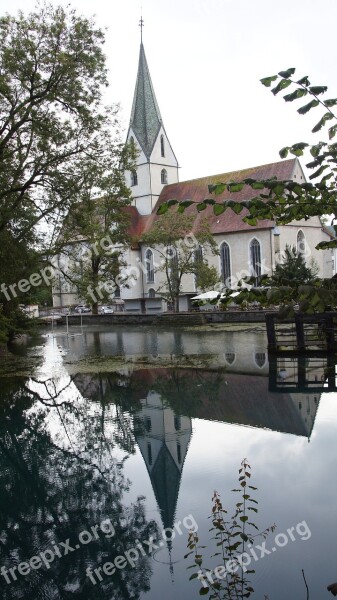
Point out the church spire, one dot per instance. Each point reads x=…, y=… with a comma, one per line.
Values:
x=145, y=114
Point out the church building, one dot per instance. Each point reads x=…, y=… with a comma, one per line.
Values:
x=242, y=249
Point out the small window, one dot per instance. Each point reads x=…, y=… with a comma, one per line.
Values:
x=149, y=453
x=260, y=359
x=230, y=357
x=177, y=422
x=149, y=266
x=255, y=259
x=301, y=244
x=152, y=293
x=179, y=452
x=163, y=176
x=162, y=145
x=134, y=178
x=225, y=258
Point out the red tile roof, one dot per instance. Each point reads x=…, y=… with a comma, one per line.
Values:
x=228, y=222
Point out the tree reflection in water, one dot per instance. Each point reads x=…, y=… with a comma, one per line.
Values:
x=58, y=478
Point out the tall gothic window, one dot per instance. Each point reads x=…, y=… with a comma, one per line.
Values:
x=163, y=176
x=162, y=145
x=134, y=178
x=198, y=259
x=255, y=259
x=149, y=266
x=300, y=243
x=225, y=257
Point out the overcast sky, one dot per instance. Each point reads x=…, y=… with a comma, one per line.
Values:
x=206, y=58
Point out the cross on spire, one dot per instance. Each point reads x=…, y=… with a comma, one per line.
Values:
x=141, y=25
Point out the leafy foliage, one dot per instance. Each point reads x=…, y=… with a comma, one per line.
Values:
x=231, y=534
x=285, y=201
x=59, y=145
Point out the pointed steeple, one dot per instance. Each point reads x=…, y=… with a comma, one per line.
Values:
x=145, y=115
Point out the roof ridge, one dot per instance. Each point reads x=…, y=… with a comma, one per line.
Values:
x=234, y=171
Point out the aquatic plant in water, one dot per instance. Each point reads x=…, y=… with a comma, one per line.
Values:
x=232, y=536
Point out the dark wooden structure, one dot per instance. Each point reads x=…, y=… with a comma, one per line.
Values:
x=303, y=334
x=291, y=373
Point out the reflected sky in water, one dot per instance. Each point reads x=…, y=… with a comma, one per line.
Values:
x=78, y=448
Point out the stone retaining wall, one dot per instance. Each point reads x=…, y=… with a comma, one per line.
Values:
x=169, y=319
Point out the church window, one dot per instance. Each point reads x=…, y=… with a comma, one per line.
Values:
x=255, y=259
x=260, y=359
x=301, y=243
x=163, y=176
x=162, y=145
x=230, y=357
x=149, y=266
x=198, y=260
x=179, y=452
x=225, y=257
x=177, y=422
x=134, y=178
x=149, y=453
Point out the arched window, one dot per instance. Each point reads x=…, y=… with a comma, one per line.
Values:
x=255, y=259
x=149, y=266
x=134, y=178
x=301, y=243
x=230, y=357
x=163, y=176
x=162, y=145
x=179, y=452
x=152, y=293
x=225, y=257
x=149, y=453
x=260, y=359
x=198, y=260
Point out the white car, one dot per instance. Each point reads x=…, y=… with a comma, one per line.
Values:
x=106, y=310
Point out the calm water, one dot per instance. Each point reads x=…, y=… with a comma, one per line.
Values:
x=117, y=436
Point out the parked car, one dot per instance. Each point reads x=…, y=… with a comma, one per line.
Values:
x=106, y=310
x=82, y=308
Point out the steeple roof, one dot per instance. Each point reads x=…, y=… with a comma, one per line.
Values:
x=145, y=115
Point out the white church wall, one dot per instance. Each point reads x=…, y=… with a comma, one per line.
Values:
x=313, y=234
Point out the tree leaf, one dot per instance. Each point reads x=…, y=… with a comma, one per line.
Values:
x=163, y=208
x=203, y=591
x=288, y=73
x=304, y=109
x=284, y=152
x=284, y=83
x=298, y=93
x=318, y=89
x=218, y=209
x=327, y=117
x=268, y=80
x=304, y=81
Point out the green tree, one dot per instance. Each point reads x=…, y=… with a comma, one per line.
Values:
x=293, y=269
x=94, y=237
x=180, y=248
x=58, y=142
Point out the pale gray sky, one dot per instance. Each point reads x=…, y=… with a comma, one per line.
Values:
x=206, y=58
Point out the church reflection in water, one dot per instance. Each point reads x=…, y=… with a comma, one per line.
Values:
x=162, y=404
